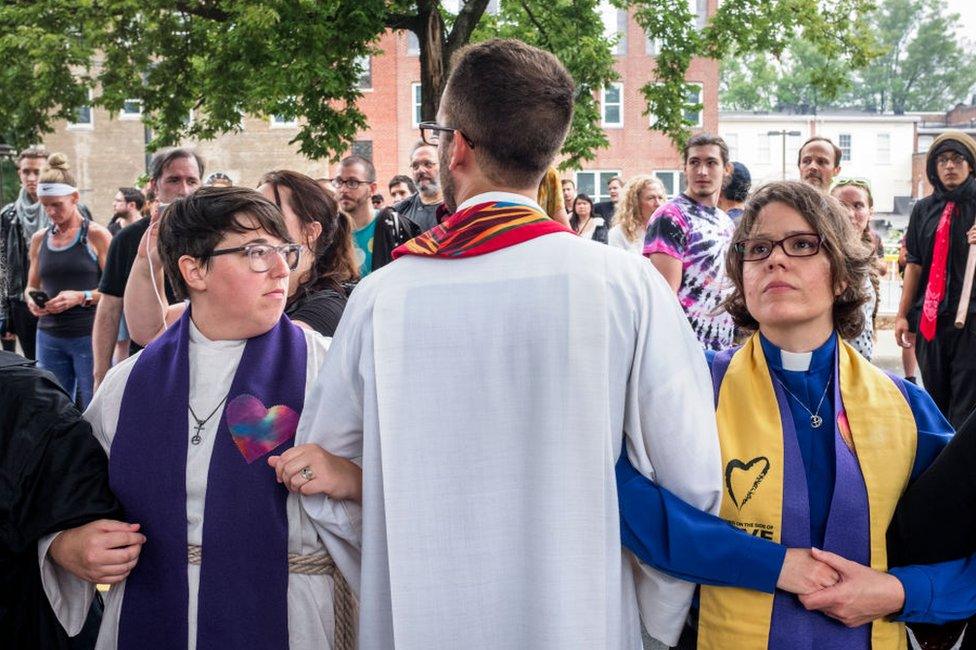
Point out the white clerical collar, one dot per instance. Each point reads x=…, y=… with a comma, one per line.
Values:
x=795, y=361
x=506, y=197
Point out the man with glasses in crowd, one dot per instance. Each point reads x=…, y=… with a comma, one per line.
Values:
x=449, y=381
x=940, y=233
x=375, y=234
x=422, y=208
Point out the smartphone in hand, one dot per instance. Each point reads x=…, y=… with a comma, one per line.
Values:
x=39, y=297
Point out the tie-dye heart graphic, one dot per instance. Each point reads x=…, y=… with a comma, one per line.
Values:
x=256, y=430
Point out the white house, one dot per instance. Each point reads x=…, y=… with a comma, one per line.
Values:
x=876, y=148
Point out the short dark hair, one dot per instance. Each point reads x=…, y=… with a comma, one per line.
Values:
x=566, y=181
x=36, y=151
x=738, y=184
x=514, y=102
x=406, y=180
x=706, y=140
x=581, y=197
x=196, y=224
x=850, y=257
x=133, y=195
x=359, y=160
x=162, y=158
x=838, y=154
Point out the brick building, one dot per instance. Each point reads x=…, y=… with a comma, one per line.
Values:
x=962, y=117
x=107, y=151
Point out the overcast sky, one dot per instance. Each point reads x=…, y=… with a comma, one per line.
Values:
x=967, y=14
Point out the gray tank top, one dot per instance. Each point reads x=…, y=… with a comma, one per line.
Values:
x=71, y=268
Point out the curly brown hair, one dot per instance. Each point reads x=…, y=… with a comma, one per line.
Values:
x=850, y=258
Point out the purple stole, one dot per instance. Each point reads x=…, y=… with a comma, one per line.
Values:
x=848, y=526
x=242, y=600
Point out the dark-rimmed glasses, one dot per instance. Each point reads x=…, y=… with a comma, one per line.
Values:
x=804, y=244
x=430, y=133
x=351, y=183
x=946, y=158
x=260, y=257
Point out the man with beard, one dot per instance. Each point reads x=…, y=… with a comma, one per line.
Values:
x=18, y=223
x=422, y=207
x=488, y=518
x=173, y=174
x=689, y=236
x=819, y=162
x=569, y=193
x=940, y=233
x=126, y=209
x=375, y=234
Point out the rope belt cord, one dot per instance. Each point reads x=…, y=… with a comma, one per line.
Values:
x=344, y=606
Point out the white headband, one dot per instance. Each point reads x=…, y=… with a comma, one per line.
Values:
x=55, y=189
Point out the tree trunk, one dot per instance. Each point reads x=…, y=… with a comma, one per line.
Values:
x=433, y=67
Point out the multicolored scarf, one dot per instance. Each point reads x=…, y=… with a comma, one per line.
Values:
x=242, y=601
x=481, y=228
x=765, y=494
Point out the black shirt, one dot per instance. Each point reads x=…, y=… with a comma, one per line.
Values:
x=320, y=310
x=121, y=257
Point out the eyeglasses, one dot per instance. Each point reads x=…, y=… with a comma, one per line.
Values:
x=351, y=183
x=806, y=244
x=426, y=164
x=946, y=158
x=430, y=133
x=260, y=257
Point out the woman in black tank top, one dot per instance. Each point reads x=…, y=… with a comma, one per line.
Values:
x=62, y=284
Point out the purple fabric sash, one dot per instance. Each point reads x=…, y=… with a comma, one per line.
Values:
x=847, y=534
x=244, y=572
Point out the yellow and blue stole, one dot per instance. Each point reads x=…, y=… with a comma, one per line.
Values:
x=766, y=494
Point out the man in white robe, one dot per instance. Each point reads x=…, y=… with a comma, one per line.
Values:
x=489, y=379
x=219, y=331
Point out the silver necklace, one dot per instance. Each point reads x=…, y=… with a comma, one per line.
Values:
x=202, y=423
x=815, y=419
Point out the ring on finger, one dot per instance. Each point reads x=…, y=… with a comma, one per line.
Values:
x=306, y=473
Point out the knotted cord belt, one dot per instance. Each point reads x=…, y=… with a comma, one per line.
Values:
x=316, y=564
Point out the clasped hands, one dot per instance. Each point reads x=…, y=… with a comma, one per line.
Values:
x=844, y=590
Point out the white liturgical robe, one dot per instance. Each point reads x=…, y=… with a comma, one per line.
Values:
x=310, y=604
x=489, y=398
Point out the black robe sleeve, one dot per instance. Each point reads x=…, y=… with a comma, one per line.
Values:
x=53, y=476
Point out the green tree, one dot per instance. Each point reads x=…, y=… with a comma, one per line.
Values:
x=299, y=58
x=923, y=67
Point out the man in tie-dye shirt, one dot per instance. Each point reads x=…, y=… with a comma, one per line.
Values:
x=688, y=237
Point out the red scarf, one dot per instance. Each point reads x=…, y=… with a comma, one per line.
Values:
x=937, y=274
x=481, y=228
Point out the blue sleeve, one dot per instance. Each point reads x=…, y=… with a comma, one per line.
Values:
x=934, y=431
x=938, y=593
x=672, y=536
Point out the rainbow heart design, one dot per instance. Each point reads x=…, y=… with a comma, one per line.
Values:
x=256, y=429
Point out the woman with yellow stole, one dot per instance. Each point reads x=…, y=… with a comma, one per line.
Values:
x=817, y=445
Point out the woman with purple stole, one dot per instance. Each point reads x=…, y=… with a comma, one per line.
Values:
x=817, y=447
x=199, y=430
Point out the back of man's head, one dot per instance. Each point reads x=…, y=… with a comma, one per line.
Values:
x=514, y=102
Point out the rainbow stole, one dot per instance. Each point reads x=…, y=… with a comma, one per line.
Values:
x=479, y=229
x=878, y=437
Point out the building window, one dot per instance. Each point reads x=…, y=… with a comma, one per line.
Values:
x=732, y=140
x=365, y=66
x=699, y=11
x=884, y=148
x=652, y=46
x=614, y=25
x=673, y=181
x=612, y=106
x=131, y=109
x=363, y=149
x=415, y=103
x=844, y=142
x=763, y=148
x=594, y=184
x=925, y=143
x=413, y=44
x=84, y=116
x=693, y=109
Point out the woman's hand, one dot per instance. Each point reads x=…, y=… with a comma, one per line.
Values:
x=65, y=301
x=803, y=574
x=971, y=236
x=34, y=309
x=861, y=596
x=309, y=469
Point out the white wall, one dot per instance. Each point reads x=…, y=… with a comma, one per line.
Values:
x=889, y=175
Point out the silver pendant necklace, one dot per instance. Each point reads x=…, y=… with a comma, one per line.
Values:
x=202, y=423
x=815, y=419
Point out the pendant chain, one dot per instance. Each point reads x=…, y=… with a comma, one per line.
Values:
x=815, y=419
x=202, y=423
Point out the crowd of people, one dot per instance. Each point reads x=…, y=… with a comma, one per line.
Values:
x=491, y=413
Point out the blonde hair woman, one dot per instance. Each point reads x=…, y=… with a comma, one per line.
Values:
x=642, y=195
